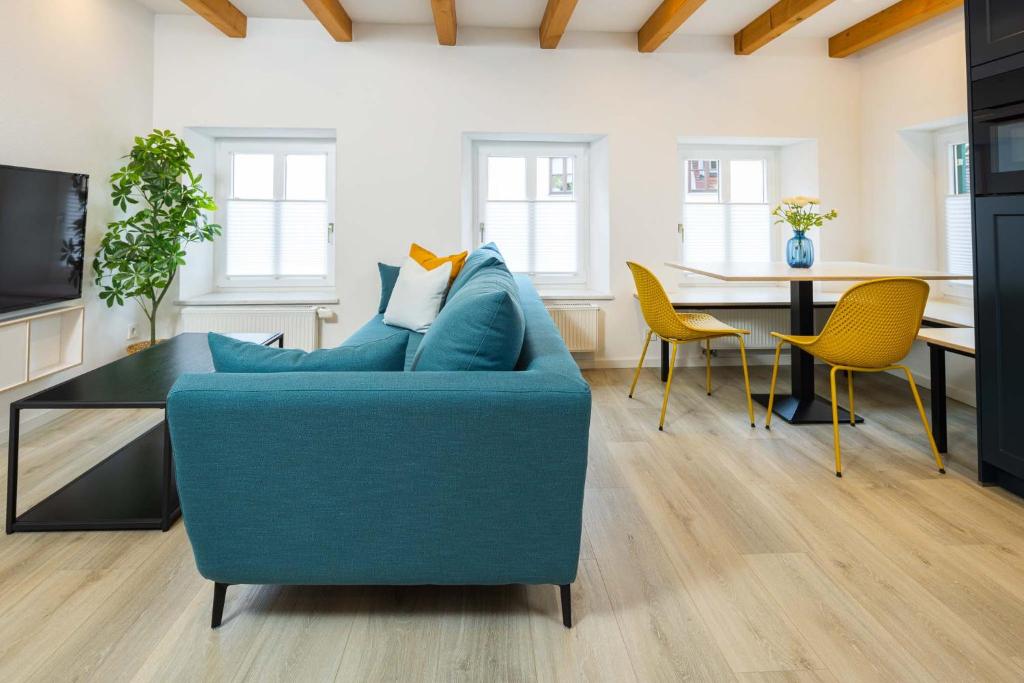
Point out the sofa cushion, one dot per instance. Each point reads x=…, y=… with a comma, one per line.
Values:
x=373, y=329
x=376, y=329
x=415, y=339
x=480, y=328
x=232, y=355
x=388, y=278
x=486, y=256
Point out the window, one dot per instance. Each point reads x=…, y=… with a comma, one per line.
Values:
x=702, y=180
x=727, y=195
x=560, y=176
x=531, y=200
x=954, y=166
x=275, y=202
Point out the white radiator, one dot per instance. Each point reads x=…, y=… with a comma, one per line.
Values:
x=298, y=323
x=577, y=324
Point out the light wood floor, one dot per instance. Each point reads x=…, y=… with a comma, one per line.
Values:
x=710, y=552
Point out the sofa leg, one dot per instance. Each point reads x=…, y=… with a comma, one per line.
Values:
x=220, y=591
x=566, y=593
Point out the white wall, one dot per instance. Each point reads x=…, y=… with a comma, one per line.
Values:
x=75, y=87
x=917, y=79
x=401, y=104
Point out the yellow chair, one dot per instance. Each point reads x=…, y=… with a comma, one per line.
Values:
x=871, y=329
x=679, y=328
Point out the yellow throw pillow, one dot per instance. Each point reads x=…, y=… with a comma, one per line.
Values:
x=430, y=260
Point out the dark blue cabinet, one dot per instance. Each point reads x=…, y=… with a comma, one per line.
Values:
x=999, y=244
x=995, y=53
x=996, y=29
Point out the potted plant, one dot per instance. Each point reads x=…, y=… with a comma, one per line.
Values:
x=140, y=254
x=801, y=214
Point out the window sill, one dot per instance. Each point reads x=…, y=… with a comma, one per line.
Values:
x=245, y=298
x=574, y=295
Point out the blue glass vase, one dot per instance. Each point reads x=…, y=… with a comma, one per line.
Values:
x=799, y=251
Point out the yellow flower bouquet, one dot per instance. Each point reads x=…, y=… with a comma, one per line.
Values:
x=802, y=213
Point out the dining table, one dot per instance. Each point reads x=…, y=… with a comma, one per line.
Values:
x=803, y=405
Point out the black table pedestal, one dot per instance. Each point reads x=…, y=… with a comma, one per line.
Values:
x=816, y=410
x=802, y=405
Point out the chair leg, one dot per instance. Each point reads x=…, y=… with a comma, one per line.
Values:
x=746, y=379
x=668, y=386
x=707, y=365
x=835, y=422
x=924, y=419
x=771, y=391
x=220, y=591
x=643, y=354
x=849, y=385
x=565, y=590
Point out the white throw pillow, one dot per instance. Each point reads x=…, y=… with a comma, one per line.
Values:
x=418, y=295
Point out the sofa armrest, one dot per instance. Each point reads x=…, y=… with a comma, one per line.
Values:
x=382, y=477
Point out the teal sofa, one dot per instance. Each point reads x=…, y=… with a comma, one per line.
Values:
x=388, y=478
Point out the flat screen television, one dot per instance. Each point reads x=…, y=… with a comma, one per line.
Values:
x=42, y=236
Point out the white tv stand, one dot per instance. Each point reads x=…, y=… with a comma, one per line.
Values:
x=40, y=344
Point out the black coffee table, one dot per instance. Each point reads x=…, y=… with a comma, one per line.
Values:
x=134, y=487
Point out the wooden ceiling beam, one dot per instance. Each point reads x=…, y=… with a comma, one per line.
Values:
x=222, y=14
x=445, y=23
x=333, y=17
x=669, y=16
x=556, y=18
x=773, y=22
x=890, y=21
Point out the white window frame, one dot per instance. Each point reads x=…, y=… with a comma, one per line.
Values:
x=280, y=148
x=945, y=183
x=580, y=151
x=725, y=154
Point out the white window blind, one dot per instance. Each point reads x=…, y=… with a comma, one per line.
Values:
x=953, y=164
x=959, y=254
x=726, y=205
x=727, y=232
x=531, y=203
x=276, y=204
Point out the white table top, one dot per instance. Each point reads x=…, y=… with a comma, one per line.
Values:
x=779, y=271
x=950, y=312
x=958, y=338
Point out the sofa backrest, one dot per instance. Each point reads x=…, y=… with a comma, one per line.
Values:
x=543, y=348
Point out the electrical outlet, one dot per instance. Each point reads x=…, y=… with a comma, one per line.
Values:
x=133, y=332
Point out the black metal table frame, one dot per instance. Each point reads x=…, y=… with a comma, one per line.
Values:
x=167, y=515
x=937, y=355
x=170, y=509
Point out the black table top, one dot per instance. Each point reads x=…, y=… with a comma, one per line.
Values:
x=141, y=380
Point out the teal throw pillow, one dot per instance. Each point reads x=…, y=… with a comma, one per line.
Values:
x=232, y=355
x=388, y=278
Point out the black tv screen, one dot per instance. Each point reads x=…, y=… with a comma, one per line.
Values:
x=42, y=236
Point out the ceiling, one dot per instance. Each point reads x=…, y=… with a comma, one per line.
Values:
x=715, y=17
